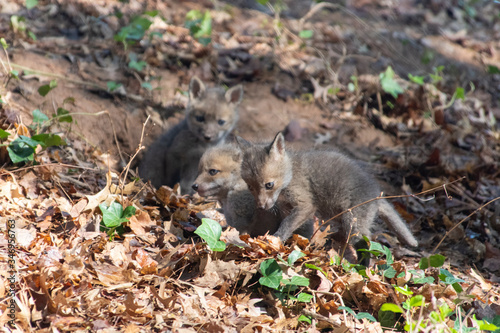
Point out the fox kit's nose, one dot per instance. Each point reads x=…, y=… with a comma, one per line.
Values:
x=208, y=137
x=195, y=187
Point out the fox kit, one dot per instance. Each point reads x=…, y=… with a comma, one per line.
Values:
x=301, y=184
x=219, y=176
x=211, y=115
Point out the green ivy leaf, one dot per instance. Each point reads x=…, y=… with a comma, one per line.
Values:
x=49, y=140
x=4, y=43
x=112, y=86
x=416, y=79
x=365, y=315
x=39, y=117
x=390, y=273
x=403, y=290
x=424, y=280
x=271, y=274
x=389, y=85
x=15, y=74
x=63, y=116
x=299, y=281
x=349, y=310
x=45, y=89
x=304, y=297
x=147, y=86
x=3, y=134
x=210, y=232
x=296, y=254
x=112, y=216
x=306, y=34
x=31, y=4
x=311, y=266
x=391, y=307
x=493, y=69
x=459, y=93
x=417, y=300
x=304, y=319
x=22, y=149
x=386, y=318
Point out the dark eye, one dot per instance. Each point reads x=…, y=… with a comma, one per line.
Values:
x=213, y=172
x=269, y=185
x=221, y=122
x=200, y=119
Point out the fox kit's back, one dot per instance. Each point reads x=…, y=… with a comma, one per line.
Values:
x=326, y=183
x=211, y=115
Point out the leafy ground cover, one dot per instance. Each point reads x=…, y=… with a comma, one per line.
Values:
x=88, y=246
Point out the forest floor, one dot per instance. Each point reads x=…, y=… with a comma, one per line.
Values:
x=411, y=89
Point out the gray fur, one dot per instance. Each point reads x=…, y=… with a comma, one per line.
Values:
x=325, y=183
x=238, y=204
x=174, y=157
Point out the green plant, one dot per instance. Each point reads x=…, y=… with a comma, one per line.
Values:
x=285, y=289
x=31, y=4
x=199, y=25
x=135, y=31
x=134, y=63
x=23, y=148
x=113, y=86
x=389, y=85
x=45, y=89
x=210, y=232
x=114, y=216
x=18, y=24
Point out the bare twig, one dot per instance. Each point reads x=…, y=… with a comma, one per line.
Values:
x=462, y=221
x=141, y=147
x=434, y=189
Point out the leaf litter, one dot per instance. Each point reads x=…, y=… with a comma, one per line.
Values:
x=158, y=275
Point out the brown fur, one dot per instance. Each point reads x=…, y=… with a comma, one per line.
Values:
x=211, y=115
x=326, y=183
x=219, y=176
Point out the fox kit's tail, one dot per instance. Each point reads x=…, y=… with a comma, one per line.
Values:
x=396, y=223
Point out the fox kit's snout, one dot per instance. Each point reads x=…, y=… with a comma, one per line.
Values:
x=218, y=170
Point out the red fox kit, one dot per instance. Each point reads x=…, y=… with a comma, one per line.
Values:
x=219, y=176
x=301, y=184
x=211, y=115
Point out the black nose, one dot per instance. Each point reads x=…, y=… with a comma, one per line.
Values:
x=208, y=138
x=195, y=187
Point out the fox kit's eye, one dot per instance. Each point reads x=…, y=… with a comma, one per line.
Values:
x=200, y=119
x=221, y=122
x=213, y=172
x=269, y=185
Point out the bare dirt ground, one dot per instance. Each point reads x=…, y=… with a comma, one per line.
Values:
x=326, y=85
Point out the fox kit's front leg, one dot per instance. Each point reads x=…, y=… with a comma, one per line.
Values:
x=297, y=218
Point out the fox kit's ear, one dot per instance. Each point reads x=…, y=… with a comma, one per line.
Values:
x=277, y=148
x=196, y=88
x=235, y=94
x=237, y=156
x=242, y=143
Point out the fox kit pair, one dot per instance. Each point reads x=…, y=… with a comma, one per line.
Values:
x=211, y=115
x=219, y=177
x=326, y=183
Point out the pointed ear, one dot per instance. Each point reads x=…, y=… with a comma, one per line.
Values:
x=235, y=94
x=237, y=156
x=277, y=148
x=196, y=88
x=242, y=143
